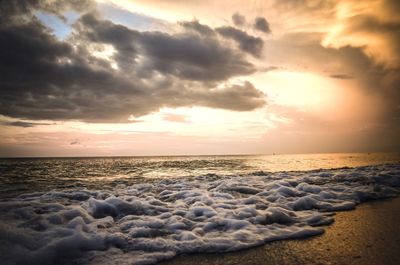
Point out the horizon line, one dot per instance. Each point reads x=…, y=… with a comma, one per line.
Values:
x=194, y=155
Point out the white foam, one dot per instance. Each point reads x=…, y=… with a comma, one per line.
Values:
x=146, y=223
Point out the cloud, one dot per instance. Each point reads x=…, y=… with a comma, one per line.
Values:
x=378, y=86
x=18, y=10
x=373, y=27
x=75, y=142
x=247, y=43
x=245, y=93
x=238, y=19
x=262, y=24
x=341, y=76
x=136, y=73
x=184, y=55
x=23, y=124
x=196, y=26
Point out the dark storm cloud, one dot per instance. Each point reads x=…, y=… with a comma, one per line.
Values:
x=238, y=19
x=262, y=24
x=35, y=85
x=12, y=10
x=192, y=57
x=247, y=43
x=184, y=55
x=91, y=29
x=246, y=93
x=45, y=78
x=197, y=27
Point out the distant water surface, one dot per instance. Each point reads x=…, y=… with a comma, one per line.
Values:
x=24, y=175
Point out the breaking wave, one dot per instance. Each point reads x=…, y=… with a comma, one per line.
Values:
x=147, y=223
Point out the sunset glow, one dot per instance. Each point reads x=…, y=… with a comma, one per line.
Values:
x=172, y=77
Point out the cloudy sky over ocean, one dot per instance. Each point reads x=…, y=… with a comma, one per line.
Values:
x=198, y=77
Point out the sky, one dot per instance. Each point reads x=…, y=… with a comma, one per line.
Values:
x=173, y=77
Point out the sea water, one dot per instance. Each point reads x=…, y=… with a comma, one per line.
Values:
x=140, y=210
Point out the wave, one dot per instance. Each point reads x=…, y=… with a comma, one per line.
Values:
x=147, y=223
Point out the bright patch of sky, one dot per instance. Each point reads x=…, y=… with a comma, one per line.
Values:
x=132, y=20
x=61, y=28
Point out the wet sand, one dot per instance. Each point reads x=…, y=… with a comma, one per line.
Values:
x=368, y=235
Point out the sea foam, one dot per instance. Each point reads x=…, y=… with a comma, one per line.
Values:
x=146, y=223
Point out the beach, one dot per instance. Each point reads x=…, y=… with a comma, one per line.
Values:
x=368, y=235
x=107, y=211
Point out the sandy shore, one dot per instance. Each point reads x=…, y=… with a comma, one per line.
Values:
x=368, y=235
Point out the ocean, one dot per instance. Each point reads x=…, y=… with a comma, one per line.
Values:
x=25, y=175
x=141, y=210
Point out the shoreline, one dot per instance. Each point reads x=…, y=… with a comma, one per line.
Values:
x=369, y=234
